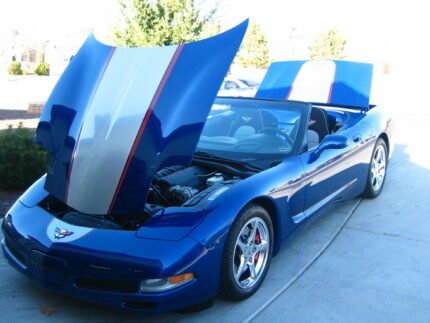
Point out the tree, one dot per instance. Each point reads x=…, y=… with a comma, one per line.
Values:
x=161, y=22
x=328, y=45
x=254, y=51
x=211, y=28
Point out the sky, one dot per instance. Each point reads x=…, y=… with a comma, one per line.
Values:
x=48, y=19
x=375, y=30
x=392, y=32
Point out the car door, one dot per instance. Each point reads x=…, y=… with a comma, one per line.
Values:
x=331, y=174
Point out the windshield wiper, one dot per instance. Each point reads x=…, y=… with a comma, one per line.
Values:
x=243, y=164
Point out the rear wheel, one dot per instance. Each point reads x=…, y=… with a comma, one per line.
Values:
x=247, y=253
x=377, y=170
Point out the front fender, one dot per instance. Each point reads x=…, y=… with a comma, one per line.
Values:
x=283, y=186
x=172, y=224
x=35, y=193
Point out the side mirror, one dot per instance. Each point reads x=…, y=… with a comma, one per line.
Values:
x=329, y=142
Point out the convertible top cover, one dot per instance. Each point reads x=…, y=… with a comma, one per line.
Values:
x=341, y=83
x=118, y=115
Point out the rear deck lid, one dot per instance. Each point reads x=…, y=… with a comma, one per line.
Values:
x=340, y=83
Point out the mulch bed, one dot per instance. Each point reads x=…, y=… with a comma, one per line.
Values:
x=6, y=201
x=6, y=114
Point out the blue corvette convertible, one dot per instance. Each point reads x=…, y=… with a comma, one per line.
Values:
x=159, y=196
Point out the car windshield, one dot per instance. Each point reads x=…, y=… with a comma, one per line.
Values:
x=260, y=132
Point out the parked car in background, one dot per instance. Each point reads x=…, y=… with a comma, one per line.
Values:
x=250, y=82
x=232, y=86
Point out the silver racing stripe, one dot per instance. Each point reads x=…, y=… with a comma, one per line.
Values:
x=112, y=123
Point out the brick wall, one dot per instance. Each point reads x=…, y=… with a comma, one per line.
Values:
x=36, y=107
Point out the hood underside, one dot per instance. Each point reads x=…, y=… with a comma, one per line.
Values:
x=118, y=115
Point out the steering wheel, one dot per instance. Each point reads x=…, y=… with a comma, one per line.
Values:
x=271, y=130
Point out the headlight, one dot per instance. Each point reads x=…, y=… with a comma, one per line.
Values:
x=164, y=284
x=7, y=221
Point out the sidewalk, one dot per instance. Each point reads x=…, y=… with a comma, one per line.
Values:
x=17, y=91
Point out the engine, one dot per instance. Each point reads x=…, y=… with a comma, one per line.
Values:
x=174, y=186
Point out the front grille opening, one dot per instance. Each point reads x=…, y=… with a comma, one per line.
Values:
x=16, y=253
x=140, y=305
x=108, y=285
x=54, y=206
x=127, y=222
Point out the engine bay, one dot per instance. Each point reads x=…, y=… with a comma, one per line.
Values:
x=188, y=186
x=174, y=186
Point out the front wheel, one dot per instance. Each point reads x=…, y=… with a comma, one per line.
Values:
x=247, y=253
x=377, y=170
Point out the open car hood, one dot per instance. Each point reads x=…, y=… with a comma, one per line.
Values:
x=341, y=83
x=118, y=115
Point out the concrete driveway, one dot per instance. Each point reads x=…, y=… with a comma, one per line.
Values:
x=365, y=261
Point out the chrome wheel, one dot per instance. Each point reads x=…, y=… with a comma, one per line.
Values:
x=378, y=168
x=251, y=253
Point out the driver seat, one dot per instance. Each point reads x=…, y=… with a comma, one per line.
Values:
x=319, y=123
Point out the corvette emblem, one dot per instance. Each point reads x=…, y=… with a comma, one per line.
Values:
x=62, y=233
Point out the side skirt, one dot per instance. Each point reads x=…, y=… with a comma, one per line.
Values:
x=317, y=206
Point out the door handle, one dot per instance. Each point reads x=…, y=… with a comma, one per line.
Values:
x=357, y=138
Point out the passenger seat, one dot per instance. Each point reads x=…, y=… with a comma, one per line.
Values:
x=244, y=132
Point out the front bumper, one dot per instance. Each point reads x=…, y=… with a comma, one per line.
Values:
x=106, y=266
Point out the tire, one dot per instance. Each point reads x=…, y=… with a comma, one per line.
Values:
x=377, y=170
x=246, y=261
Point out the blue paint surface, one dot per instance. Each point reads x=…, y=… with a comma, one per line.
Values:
x=279, y=80
x=352, y=84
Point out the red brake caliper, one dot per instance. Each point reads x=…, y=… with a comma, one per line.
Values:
x=257, y=242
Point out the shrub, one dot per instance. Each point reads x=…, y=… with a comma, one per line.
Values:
x=21, y=160
x=42, y=69
x=15, y=68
